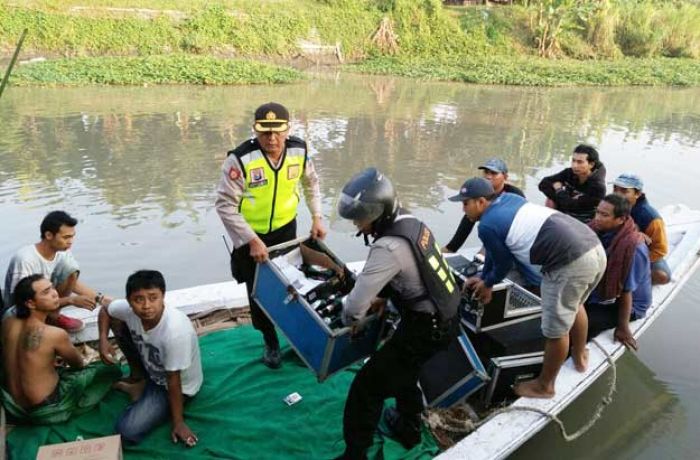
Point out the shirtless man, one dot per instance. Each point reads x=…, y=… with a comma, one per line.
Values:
x=34, y=390
x=30, y=346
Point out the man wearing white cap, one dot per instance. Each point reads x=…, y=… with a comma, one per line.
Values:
x=649, y=222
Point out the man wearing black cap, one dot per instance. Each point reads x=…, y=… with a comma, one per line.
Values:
x=257, y=200
x=572, y=261
x=495, y=171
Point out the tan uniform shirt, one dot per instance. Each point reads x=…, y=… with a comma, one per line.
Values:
x=232, y=188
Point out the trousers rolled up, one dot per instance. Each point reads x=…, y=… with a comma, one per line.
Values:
x=243, y=270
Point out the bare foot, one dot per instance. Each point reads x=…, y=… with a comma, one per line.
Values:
x=134, y=390
x=581, y=362
x=533, y=389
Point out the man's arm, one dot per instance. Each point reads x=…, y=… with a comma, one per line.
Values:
x=312, y=194
x=546, y=185
x=624, y=311
x=380, y=268
x=656, y=231
x=65, y=349
x=498, y=256
x=103, y=325
x=463, y=230
x=180, y=430
x=566, y=201
x=229, y=193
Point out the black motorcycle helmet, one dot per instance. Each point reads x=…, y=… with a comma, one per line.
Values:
x=369, y=197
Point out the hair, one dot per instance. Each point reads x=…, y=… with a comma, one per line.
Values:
x=144, y=279
x=621, y=207
x=24, y=292
x=54, y=220
x=591, y=153
x=491, y=197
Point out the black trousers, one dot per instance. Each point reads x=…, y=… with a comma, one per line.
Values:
x=243, y=270
x=392, y=372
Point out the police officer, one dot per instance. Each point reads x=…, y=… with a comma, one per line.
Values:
x=257, y=200
x=405, y=265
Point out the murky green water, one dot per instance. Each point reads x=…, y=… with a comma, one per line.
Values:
x=138, y=167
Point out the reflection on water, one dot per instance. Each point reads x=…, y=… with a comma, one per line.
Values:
x=642, y=408
x=138, y=166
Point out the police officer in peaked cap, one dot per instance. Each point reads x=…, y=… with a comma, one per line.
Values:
x=257, y=200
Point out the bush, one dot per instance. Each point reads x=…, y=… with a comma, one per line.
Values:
x=637, y=33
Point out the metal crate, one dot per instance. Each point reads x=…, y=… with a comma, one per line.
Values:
x=452, y=375
x=324, y=350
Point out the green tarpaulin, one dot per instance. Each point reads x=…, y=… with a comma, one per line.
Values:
x=238, y=413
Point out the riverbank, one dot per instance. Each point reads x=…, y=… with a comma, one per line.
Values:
x=614, y=42
x=152, y=70
x=533, y=71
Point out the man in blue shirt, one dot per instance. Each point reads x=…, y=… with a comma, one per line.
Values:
x=571, y=258
x=624, y=293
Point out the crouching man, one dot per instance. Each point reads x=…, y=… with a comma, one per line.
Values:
x=162, y=345
x=34, y=390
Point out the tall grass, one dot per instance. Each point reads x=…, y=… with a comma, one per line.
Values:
x=638, y=33
x=681, y=26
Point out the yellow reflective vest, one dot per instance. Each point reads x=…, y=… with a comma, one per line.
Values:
x=271, y=195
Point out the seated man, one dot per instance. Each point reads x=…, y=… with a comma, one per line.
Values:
x=624, y=293
x=649, y=222
x=495, y=171
x=51, y=257
x=33, y=390
x=169, y=352
x=577, y=190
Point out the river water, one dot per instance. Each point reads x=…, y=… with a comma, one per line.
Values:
x=138, y=168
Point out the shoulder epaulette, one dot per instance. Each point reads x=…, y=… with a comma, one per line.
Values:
x=246, y=147
x=296, y=142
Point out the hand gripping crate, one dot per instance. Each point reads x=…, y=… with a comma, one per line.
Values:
x=286, y=296
x=510, y=303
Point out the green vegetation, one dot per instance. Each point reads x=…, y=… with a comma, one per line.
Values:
x=180, y=69
x=537, y=42
x=543, y=72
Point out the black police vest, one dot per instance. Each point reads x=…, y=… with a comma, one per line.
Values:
x=434, y=271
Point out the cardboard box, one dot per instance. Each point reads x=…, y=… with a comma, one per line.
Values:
x=105, y=448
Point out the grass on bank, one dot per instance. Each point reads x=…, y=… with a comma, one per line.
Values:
x=172, y=69
x=506, y=70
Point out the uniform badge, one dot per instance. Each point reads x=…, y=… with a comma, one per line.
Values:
x=234, y=173
x=293, y=172
x=425, y=239
x=257, y=177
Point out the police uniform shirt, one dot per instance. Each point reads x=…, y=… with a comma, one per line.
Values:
x=232, y=188
x=390, y=261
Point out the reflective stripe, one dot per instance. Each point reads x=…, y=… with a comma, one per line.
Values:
x=271, y=196
x=442, y=274
x=433, y=262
